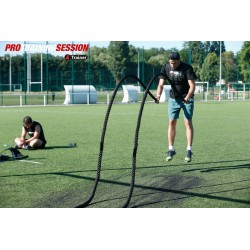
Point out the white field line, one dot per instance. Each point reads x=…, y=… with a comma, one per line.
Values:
x=35, y=162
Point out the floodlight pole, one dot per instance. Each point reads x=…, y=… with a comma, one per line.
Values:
x=72, y=77
x=41, y=72
x=10, y=78
x=88, y=99
x=220, y=63
x=142, y=63
x=0, y=72
x=47, y=72
x=28, y=72
x=249, y=72
x=138, y=64
x=138, y=69
x=220, y=81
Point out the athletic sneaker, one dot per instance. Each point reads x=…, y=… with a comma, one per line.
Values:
x=170, y=155
x=27, y=147
x=188, y=156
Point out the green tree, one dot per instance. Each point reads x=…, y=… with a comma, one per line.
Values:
x=228, y=66
x=99, y=57
x=244, y=61
x=194, y=52
x=211, y=68
x=215, y=47
x=196, y=48
x=157, y=60
x=157, y=57
x=133, y=54
x=184, y=55
x=118, y=55
x=206, y=48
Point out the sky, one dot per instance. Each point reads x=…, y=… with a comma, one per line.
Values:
x=234, y=46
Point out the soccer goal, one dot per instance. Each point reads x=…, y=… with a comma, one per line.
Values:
x=201, y=91
x=239, y=93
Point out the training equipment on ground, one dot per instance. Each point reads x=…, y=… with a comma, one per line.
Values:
x=16, y=155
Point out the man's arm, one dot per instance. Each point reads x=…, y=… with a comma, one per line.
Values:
x=191, y=90
x=159, y=89
x=36, y=134
x=23, y=135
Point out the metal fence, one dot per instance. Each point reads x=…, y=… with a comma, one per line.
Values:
x=44, y=72
x=236, y=92
x=42, y=82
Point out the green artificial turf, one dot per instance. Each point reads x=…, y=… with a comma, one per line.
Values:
x=62, y=176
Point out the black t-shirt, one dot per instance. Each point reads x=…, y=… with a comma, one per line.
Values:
x=179, y=77
x=31, y=131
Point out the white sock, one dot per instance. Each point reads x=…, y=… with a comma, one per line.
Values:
x=171, y=148
x=189, y=148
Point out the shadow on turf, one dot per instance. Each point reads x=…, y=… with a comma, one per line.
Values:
x=54, y=147
x=174, y=192
x=212, y=169
x=71, y=173
x=178, y=194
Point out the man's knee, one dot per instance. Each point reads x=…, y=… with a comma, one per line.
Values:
x=37, y=143
x=172, y=123
x=188, y=123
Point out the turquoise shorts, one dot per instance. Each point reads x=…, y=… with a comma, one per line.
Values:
x=175, y=106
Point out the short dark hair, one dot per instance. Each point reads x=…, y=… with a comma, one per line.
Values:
x=174, y=56
x=27, y=120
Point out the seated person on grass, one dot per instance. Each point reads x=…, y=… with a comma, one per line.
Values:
x=35, y=131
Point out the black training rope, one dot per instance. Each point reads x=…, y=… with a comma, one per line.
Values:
x=136, y=132
x=138, y=129
x=104, y=132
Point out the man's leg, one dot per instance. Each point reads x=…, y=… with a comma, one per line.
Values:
x=189, y=132
x=173, y=114
x=37, y=143
x=171, y=136
x=190, y=136
x=18, y=143
x=171, y=132
x=188, y=109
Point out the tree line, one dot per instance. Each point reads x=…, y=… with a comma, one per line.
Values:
x=119, y=58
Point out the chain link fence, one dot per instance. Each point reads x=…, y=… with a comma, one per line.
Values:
x=45, y=83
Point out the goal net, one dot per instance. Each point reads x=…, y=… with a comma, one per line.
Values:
x=201, y=91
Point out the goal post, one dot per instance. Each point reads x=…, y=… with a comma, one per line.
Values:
x=201, y=90
x=29, y=80
x=237, y=93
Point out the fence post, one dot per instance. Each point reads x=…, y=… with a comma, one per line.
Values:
x=244, y=92
x=88, y=95
x=21, y=100
x=107, y=97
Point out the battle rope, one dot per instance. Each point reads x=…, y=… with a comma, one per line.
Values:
x=136, y=133
x=103, y=135
x=137, y=130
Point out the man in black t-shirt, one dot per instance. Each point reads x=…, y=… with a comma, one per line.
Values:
x=35, y=131
x=183, y=76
